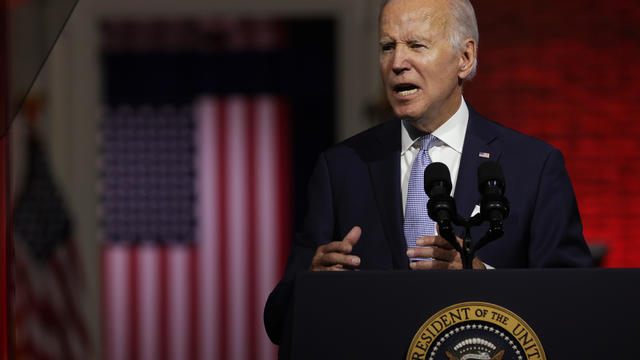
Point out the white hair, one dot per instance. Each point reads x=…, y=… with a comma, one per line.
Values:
x=463, y=26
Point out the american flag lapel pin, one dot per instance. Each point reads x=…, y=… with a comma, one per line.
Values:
x=484, y=155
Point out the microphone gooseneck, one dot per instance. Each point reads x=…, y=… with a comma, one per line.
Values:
x=441, y=207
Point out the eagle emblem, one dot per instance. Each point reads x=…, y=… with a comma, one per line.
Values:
x=474, y=349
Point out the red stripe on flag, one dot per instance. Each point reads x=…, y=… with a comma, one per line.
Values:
x=251, y=273
x=164, y=309
x=266, y=224
x=284, y=180
x=194, y=281
x=221, y=136
x=208, y=226
x=118, y=306
x=148, y=275
x=132, y=330
x=237, y=205
x=106, y=323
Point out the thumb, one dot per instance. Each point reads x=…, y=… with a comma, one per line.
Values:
x=353, y=236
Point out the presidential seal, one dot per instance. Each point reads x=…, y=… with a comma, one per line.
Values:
x=475, y=331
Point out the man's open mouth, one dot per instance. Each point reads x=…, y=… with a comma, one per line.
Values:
x=405, y=89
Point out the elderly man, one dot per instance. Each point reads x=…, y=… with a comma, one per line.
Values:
x=366, y=200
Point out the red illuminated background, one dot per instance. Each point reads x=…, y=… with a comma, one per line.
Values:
x=567, y=72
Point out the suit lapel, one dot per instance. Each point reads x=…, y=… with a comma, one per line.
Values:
x=479, y=139
x=384, y=168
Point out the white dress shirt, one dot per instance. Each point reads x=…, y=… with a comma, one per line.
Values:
x=446, y=149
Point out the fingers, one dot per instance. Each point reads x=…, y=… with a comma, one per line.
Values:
x=342, y=247
x=341, y=268
x=346, y=245
x=334, y=256
x=441, y=253
x=478, y=264
x=330, y=257
x=353, y=236
x=436, y=265
x=438, y=241
x=432, y=252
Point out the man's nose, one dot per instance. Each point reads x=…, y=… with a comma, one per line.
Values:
x=400, y=61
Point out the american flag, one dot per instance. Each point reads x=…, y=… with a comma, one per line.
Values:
x=187, y=270
x=48, y=311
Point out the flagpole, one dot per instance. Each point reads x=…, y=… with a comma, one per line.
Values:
x=5, y=231
x=5, y=249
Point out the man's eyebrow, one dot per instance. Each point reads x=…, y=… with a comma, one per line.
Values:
x=418, y=39
x=412, y=41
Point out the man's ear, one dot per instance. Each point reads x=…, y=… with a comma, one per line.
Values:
x=467, y=58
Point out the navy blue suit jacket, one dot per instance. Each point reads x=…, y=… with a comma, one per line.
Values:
x=357, y=182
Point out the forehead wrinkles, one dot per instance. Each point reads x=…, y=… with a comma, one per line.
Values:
x=407, y=24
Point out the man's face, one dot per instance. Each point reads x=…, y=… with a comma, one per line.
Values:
x=419, y=66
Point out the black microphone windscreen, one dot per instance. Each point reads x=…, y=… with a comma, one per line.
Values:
x=437, y=172
x=490, y=171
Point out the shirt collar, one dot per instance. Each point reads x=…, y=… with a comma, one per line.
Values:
x=450, y=133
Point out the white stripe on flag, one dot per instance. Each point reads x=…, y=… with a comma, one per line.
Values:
x=267, y=218
x=237, y=236
x=208, y=228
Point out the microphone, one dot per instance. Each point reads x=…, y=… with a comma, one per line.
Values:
x=437, y=184
x=494, y=207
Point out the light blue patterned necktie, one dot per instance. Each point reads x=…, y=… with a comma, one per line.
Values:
x=417, y=222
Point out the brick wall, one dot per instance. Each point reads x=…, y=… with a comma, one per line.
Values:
x=566, y=72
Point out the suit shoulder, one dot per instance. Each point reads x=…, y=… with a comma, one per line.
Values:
x=518, y=141
x=384, y=135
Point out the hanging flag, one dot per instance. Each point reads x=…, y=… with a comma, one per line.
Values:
x=187, y=269
x=48, y=313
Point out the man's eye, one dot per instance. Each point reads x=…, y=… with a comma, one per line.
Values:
x=418, y=46
x=386, y=47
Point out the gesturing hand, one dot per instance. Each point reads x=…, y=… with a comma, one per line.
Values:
x=334, y=256
x=443, y=255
